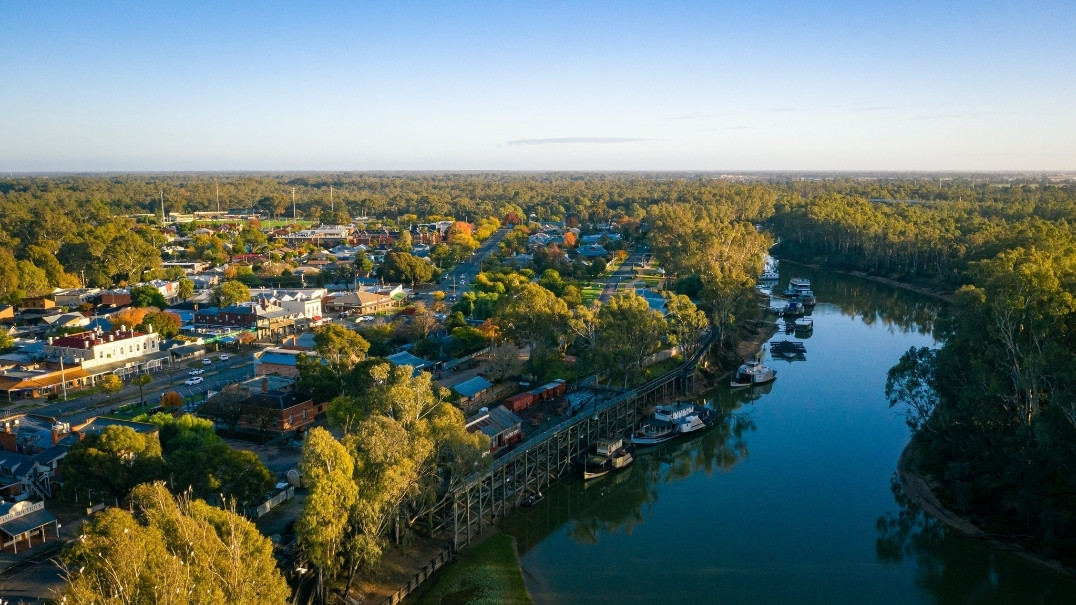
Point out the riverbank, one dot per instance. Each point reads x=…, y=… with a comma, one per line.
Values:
x=919, y=491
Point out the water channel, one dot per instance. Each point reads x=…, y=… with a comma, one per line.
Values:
x=789, y=500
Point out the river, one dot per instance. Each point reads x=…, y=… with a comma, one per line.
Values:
x=789, y=499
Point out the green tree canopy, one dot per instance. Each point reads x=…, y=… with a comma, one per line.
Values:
x=175, y=552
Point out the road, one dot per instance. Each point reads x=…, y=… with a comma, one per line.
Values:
x=624, y=273
x=217, y=375
x=459, y=279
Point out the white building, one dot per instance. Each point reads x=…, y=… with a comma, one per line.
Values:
x=305, y=302
x=96, y=348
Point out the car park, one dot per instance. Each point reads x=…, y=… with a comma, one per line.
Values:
x=196, y=372
x=193, y=381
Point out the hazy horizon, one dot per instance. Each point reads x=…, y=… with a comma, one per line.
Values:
x=834, y=86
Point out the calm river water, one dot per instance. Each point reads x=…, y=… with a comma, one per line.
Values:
x=789, y=500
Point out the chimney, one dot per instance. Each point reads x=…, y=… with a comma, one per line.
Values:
x=265, y=385
x=7, y=427
x=50, y=340
x=85, y=344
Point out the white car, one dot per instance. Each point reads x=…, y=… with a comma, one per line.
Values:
x=224, y=358
x=364, y=318
x=193, y=381
x=196, y=372
x=207, y=361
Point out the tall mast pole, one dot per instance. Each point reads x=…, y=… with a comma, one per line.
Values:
x=162, y=206
x=332, y=206
x=217, y=185
x=293, y=215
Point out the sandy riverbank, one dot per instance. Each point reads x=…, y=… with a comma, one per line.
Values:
x=917, y=488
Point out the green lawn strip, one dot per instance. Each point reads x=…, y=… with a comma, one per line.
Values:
x=487, y=574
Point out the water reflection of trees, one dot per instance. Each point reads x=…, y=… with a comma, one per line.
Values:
x=618, y=502
x=957, y=569
x=872, y=301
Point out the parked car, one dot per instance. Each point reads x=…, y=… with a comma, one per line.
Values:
x=193, y=381
x=224, y=358
x=196, y=372
x=207, y=361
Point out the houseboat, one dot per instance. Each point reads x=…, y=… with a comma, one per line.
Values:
x=606, y=456
x=752, y=373
x=797, y=285
x=793, y=309
x=671, y=421
x=804, y=325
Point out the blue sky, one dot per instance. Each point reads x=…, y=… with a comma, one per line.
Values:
x=534, y=86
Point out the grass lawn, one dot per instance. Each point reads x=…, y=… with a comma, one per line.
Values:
x=489, y=574
x=663, y=367
x=590, y=293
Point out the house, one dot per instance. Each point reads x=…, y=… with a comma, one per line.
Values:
x=275, y=405
x=65, y=320
x=7, y=312
x=73, y=297
x=474, y=390
x=37, y=302
x=278, y=361
x=306, y=303
x=503, y=428
x=300, y=342
x=366, y=301
x=404, y=358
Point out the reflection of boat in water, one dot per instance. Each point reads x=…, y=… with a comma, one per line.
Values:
x=804, y=324
x=533, y=499
x=671, y=421
x=608, y=455
x=752, y=373
x=788, y=349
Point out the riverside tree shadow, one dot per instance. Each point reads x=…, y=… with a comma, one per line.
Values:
x=957, y=569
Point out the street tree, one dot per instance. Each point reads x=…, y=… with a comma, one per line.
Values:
x=113, y=461
x=164, y=323
x=142, y=380
x=185, y=289
x=147, y=296
x=111, y=384
x=230, y=293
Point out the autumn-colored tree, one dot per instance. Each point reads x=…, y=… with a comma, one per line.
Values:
x=130, y=317
x=171, y=400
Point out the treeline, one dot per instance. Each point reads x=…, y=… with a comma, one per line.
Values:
x=929, y=239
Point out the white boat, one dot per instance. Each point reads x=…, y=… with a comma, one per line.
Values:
x=797, y=286
x=671, y=421
x=769, y=275
x=752, y=373
x=804, y=324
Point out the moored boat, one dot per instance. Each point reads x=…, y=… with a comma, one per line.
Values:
x=804, y=324
x=671, y=421
x=793, y=309
x=607, y=455
x=769, y=275
x=797, y=286
x=752, y=373
x=788, y=349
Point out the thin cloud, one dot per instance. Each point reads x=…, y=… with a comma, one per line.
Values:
x=870, y=108
x=575, y=141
